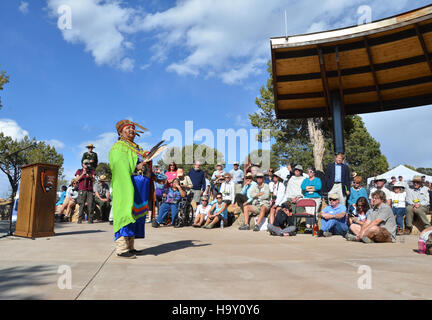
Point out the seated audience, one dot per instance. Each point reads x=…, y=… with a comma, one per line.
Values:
x=185, y=181
x=277, y=195
x=173, y=196
x=201, y=212
x=356, y=192
x=260, y=194
x=71, y=197
x=217, y=179
x=102, y=197
x=218, y=211
x=244, y=198
x=417, y=201
x=358, y=216
x=311, y=189
x=333, y=218
x=227, y=189
x=398, y=196
x=283, y=223
x=293, y=190
x=380, y=182
x=380, y=225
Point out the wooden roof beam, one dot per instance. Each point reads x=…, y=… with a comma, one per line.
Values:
x=374, y=74
x=423, y=45
x=324, y=79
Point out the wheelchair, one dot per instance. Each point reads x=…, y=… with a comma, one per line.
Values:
x=184, y=215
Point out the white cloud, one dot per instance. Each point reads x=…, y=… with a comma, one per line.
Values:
x=102, y=26
x=56, y=144
x=242, y=121
x=11, y=128
x=404, y=135
x=23, y=7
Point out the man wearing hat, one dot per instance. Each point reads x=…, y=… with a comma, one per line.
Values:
x=102, y=197
x=337, y=178
x=417, y=204
x=91, y=156
x=227, y=189
x=333, y=218
x=217, y=178
x=85, y=179
x=380, y=182
x=237, y=177
x=260, y=194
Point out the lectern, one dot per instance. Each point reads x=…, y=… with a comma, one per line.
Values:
x=37, y=198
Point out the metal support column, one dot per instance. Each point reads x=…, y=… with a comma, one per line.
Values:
x=338, y=122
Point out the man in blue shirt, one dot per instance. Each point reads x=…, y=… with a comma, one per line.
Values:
x=337, y=178
x=198, y=182
x=333, y=218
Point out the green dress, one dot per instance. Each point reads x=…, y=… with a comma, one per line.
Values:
x=123, y=158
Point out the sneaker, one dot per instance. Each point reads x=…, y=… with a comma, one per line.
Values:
x=367, y=240
x=111, y=222
x=399, y=232
x=209, y=226
x=256, y=228
x=320, y=233
x=244, y=227
x=127, y=255
x=408, y=230
x=350, y=237
x=155, y=224
x=137, y=252
x=327, y=234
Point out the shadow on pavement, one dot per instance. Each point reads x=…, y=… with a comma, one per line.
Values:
x=19, y=278
x=77, y=232
x=171, y=246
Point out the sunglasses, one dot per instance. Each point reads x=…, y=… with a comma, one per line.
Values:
x=218, y=197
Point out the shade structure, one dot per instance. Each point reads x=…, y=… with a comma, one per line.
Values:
x=379, y=66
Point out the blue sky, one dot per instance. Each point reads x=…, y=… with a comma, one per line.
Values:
x=162, y=63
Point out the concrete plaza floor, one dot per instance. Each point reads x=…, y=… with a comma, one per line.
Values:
x=189, y=263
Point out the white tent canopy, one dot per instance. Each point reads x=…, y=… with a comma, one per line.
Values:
x=403, y=171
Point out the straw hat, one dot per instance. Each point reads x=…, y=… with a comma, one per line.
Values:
x=90, y=146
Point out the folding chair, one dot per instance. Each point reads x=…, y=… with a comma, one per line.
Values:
x=303, y=203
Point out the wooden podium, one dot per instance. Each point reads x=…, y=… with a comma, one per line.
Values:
x=37, y=198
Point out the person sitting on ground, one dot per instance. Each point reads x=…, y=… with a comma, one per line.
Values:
x=398, y=196
x=311, y=189
x=260, y=194
x=227, y=189
x=175, y=193
x=356, y=192
x=201, y=212
x=160, y=186
x=293, y=190
x=61, y=203
x=333, y=218
x=417, y=204
x=359, y=216
x=380, y=182
x=283, y=223
x=62, y=196
x=218, y=211
x=244, y=198
x=380, y=225
x=277, y=195
x=426, y=236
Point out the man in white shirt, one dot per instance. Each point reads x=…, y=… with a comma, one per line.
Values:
x=380, y=185
x=277, y=194
x=237, y=176
x=293, y=190
x=417, y=204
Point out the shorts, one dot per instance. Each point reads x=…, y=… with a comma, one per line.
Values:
x=383, y=235
x=256, y=209
x=196, y=196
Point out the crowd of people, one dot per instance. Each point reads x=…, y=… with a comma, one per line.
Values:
x=87, y=190
x=342, y=202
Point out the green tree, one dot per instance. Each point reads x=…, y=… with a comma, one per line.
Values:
x=426, y=171
x=11, y=161
x=104, y=169
x=309, y=141
x=3, y=80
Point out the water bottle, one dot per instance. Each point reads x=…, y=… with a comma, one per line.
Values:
x=222, y=224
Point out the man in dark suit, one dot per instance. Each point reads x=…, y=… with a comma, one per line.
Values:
x=337, y=179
